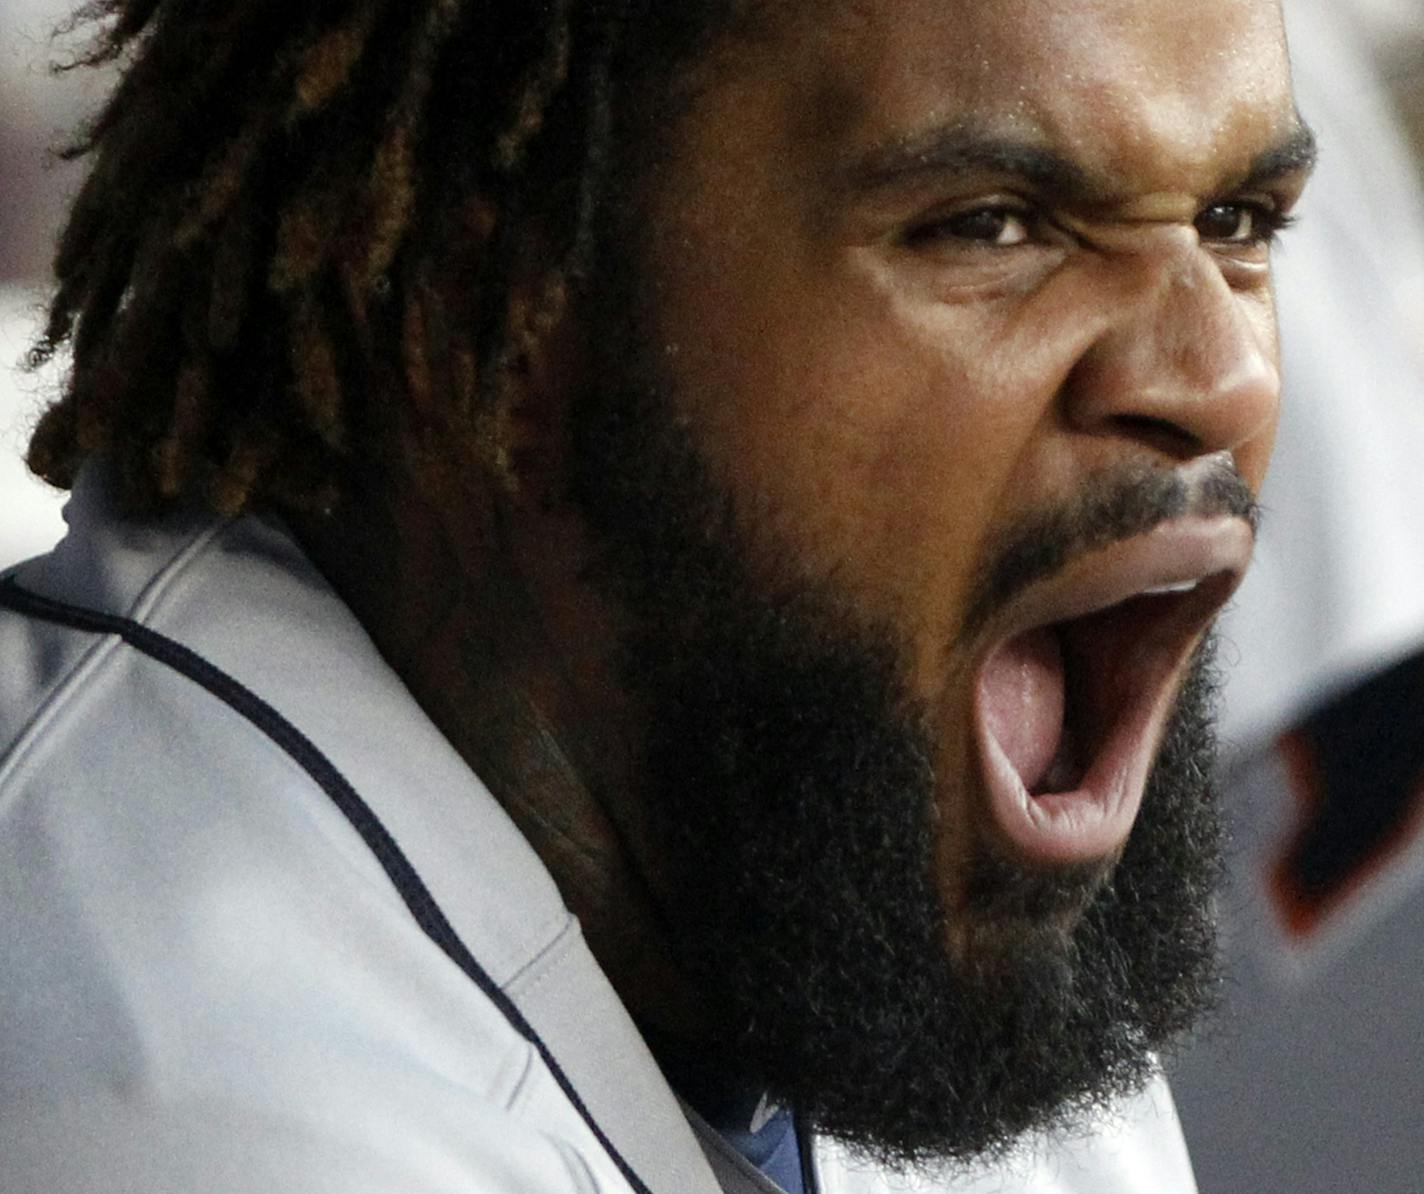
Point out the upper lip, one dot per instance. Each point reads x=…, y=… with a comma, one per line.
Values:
x=1209, y=553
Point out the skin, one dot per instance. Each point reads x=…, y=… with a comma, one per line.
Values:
x=893, y=334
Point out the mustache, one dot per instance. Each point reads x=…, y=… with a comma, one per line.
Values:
x=1111, y=507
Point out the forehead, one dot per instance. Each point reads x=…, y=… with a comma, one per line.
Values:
x=1147, y=93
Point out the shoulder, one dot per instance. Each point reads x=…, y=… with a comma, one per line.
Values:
x=210, y=966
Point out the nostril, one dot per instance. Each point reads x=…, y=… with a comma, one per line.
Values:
x=1161, y=434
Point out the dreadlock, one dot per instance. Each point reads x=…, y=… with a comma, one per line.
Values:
x=281, y=200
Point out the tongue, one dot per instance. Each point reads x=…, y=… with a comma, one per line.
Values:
x=1022, y=691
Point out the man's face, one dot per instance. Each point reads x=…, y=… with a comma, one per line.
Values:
x=923, y=270
x=947, y=343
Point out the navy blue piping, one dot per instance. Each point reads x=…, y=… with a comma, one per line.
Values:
x=304, y=752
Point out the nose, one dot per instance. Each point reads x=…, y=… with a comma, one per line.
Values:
x=1186, y=367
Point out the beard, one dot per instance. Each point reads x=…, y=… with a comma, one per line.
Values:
x=792, y=814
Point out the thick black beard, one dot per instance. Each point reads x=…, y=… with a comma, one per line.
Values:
x=792, y=797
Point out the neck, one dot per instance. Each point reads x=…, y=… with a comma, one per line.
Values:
x=504, y=661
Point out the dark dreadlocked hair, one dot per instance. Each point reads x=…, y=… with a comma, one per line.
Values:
x=281, y=200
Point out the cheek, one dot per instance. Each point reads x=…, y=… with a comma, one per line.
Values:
x=877, y=436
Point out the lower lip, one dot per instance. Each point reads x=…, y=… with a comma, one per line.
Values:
x=1090, y=823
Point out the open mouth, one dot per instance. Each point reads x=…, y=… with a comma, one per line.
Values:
x=1071, y=699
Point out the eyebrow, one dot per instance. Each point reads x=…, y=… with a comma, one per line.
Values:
x=1297, y=154
x=958, y=149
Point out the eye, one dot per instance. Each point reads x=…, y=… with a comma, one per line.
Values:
x=998, y=226
x=1240, y=223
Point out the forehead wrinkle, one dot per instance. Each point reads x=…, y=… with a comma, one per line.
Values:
x=1132, y=143
x=850, y=124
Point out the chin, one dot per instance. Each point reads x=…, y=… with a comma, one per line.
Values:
x=918, y=1000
